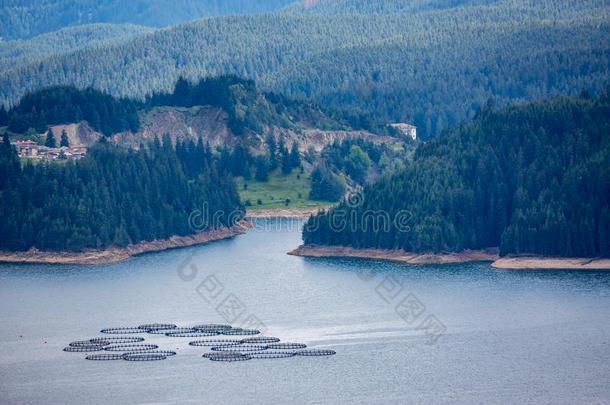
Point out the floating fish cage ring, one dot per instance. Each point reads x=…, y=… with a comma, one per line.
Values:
x=131, y=348
x=154, y=326
x=160, y=331
x=116, y=340
x=315, y=352
x=122, y=331
x=231, y=357
x=240, y=348
x=213, y=326
x=216, y=342
x=178, y=330
x=240, y=332
x=166, y=353
x=271, y=355
x=216, y=331
x=104, y=357
x=80, y=343
x=83, y=349
x=221, y=354
x=191, y=334
x=260, y=339
x=144, y=357
x=286, y=346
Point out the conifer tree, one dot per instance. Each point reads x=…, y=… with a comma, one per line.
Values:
x=64, y=142
x=50, y=140
x=295, y=155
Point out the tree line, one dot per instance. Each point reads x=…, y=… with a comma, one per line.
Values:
x=529, y=178
x=433, y=68
x=112, y=197
x=63, y=105
x=27, y=18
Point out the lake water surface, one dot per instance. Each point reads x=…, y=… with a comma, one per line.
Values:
x=509, y=337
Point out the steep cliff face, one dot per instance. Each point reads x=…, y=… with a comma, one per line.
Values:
x=212, y=124
x=181, y=123
x=78, y=133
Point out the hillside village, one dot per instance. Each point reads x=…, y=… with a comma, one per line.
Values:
x=32, y=150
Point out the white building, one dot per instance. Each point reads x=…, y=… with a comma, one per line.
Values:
x=407, y=130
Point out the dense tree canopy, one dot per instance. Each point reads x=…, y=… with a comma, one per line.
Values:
x=65, y=105
x=113, y=196
x=249, y=109
x=26, y=18
x=433, y=66
x=530, y=178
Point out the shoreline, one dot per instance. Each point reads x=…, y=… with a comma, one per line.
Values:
x=397, y=256
x=551, y=263
x=116, y=254
x=467, y=256
x=283, y=212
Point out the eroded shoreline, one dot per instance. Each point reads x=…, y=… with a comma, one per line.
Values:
x=283, y=213
x=116, y=254
x=398, y=256
x=467, y=256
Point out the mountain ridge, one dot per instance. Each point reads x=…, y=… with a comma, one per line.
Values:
x=435, y=69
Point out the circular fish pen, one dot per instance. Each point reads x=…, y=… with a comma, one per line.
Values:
x=239, y=331
x=271, y=355
x=166, y=353
x=122, y=331
x=159, y=331
x=155, y=326
x=131, y=348
x=216, y=342
x=104, y=357
x=116, y=340
x=191, y=334
x=177, y=330
x=83, y=349
x=235, y=356
x=287, y=346
x=144, y=357
x=214, y=326
x=80, y=343
x=240, y=348
x=260, y=339
x=315, y=352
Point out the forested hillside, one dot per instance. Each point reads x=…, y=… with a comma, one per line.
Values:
x=23, y=52
x=434, y=67
x=531, y=178
x=65, y=105
x=378, y=7
x=114, y=196
x=249, y=112
x=249, y=109
x=28, y=18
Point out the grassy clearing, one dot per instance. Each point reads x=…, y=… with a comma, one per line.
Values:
x=274, y=193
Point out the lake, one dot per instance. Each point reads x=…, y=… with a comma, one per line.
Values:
x=403, y=334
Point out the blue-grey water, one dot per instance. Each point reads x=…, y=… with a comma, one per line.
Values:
x=471, y=335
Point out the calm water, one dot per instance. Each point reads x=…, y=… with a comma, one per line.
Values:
x=511, y=337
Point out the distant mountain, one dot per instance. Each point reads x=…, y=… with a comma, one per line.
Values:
x=381, y=6
x=28, y=18
x=24, y=52
x=432, y=68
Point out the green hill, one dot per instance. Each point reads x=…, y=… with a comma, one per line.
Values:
x=28, y=18
x=24, y=52
x=433, y=68
x=530, y=178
